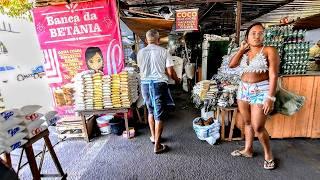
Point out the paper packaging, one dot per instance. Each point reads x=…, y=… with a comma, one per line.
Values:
x=7, y=115
x=36, y=131
x=52, y=117
x=35, y=128
x=14, y=139
x=16, y=145
x=4, y=148
x=27, y=119
x=29, y=109
x=11, y=131
x=10, y=123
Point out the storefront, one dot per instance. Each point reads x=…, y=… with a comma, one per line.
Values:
x=93, y=89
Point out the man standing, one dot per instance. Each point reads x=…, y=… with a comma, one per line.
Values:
x=133, y=55
x=156, y=65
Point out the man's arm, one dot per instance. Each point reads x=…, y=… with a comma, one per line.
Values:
x=139, y=59
x=169, y=68
x=172, y=74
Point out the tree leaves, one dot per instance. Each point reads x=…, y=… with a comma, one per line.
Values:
x=16, y=8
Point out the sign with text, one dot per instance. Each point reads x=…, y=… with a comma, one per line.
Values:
x=77, y=37
x=187, y=20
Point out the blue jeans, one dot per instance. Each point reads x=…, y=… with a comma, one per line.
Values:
x=157, y=98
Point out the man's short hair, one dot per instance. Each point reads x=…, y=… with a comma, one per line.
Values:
x=152, y=35
x=133, y=47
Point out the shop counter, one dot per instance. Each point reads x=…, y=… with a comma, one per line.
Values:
x=306, y=122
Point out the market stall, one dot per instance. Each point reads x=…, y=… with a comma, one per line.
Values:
x=296, y=77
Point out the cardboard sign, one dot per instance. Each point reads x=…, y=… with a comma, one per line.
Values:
x=187, y=20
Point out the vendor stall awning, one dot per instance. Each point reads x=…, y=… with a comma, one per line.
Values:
x=312, y=22
x=141, y=25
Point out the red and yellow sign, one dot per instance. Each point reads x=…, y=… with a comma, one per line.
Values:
x=187, y=20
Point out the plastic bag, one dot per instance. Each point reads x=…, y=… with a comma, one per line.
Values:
x=209, y=133
x=287, y=103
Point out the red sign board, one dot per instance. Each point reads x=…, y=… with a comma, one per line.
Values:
x=78, y=37
x=187, y=20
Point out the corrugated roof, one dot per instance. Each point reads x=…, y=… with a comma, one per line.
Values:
x=218, y=16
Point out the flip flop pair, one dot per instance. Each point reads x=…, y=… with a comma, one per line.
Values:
x=268, y=164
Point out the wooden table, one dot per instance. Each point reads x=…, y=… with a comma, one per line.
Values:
x=84, y=113
x=31, y=157
x=234, y=110
x=35, y=170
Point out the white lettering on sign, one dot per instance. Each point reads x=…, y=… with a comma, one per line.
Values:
x=90, y=17
x=62, y=20
x=71, y=25
x=187, y=14
x=75, y=30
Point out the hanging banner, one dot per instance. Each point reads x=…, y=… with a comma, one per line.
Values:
x=187, y=20
x=77, y=37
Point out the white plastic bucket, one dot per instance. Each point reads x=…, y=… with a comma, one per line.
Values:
x=103, y=124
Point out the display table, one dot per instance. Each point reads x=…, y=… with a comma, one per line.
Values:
x=35, y=170
x=84, y=113
x=232, y=114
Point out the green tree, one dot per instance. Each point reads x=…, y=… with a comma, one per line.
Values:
x=16, y=8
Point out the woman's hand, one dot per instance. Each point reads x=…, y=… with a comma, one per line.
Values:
x=268, y=106
x=235, y=60
x=244, y=46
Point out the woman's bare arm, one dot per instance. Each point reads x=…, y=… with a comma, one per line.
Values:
x=274, y=63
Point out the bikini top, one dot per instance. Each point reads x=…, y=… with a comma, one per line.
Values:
x=257, y=65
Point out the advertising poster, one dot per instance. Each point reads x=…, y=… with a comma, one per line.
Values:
x=77, y=37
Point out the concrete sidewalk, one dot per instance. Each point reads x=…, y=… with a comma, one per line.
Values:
x=114, y=157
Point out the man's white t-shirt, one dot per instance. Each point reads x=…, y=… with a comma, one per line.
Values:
x=153, y=61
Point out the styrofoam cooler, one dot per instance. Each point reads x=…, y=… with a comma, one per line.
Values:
x=103, y=124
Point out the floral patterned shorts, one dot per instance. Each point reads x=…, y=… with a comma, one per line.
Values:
x=254, y=93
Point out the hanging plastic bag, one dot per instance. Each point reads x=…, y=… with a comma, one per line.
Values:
x=287, y=103
x=190, y=70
